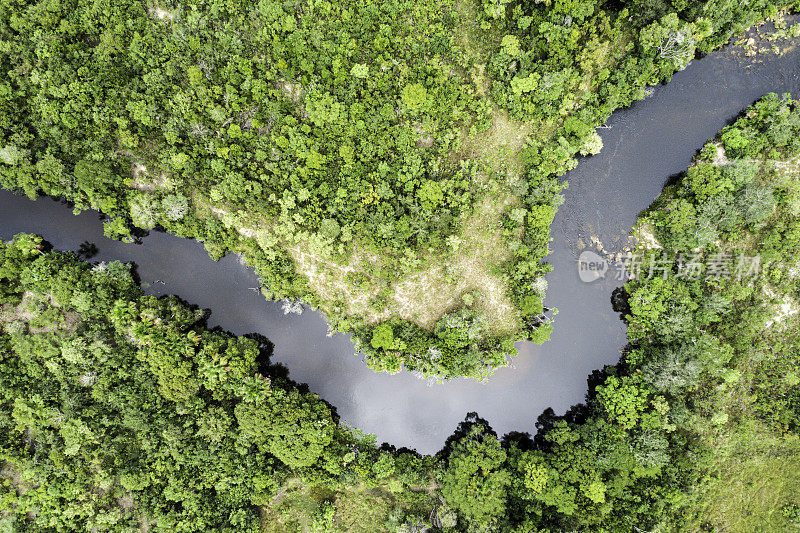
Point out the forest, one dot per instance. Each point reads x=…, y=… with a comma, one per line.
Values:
x=392, y=164
x=123, y=412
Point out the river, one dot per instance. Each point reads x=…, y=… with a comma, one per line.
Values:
x=644, y=145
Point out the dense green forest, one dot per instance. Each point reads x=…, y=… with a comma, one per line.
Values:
x=123, y=412
x=392, y=163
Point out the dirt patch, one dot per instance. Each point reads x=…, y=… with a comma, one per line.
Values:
x=142, y=181
x=161, y=14
x=782, y=311
x=720, y=159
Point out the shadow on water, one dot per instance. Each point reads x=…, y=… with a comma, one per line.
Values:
x=653, y=139
x=87, y=250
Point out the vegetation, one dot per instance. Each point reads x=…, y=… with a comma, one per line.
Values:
x=120, y=411
x=394, y=164
x=741, y=399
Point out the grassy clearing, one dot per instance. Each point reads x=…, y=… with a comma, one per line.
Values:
x=474, y=45
x=302, y=508
x=753, y=475
x=469, y=269
x=438, y=288
x=143, y=181
x=331, y=279
x=499, y=145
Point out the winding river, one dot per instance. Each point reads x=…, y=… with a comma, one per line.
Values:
x=644, y=145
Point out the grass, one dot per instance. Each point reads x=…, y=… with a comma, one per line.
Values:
x=754, y=473
x=500, y=145
x=141, y=180
x=466, y=270
x=356, y=509
x=433, y=290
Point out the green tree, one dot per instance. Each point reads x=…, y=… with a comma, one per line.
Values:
x=415, y=96
x=476, y=481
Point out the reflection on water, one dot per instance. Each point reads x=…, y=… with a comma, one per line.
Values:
x=644, y=145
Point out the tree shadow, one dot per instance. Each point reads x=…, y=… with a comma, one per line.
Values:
x=519, y=439
x=87, y=250
x=619, y=303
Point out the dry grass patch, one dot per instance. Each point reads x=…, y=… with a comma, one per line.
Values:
x=22, y=313
x=499, y=146
x=328, y=278
x=504, y=131
x=161, y=13
x=645, y=237
x=355, y=281
x=426, y=296
x=143, y=181
x=292, y=90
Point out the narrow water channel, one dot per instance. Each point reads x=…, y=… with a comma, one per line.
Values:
x=644, y=146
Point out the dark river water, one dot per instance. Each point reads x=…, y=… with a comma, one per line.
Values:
x=644, y=145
